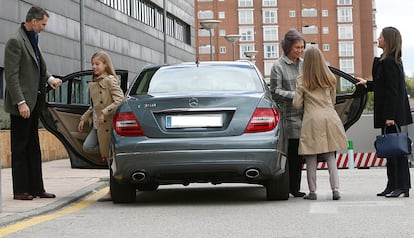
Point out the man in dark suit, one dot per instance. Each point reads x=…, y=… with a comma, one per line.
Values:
x=26, y=80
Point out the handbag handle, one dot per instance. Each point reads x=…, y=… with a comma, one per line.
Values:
x=397, y=129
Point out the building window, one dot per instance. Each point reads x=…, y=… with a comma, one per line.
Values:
x=270, y=33
x=269, y=3
x=325, y=13
x=268, y=67
x=344, y=14
x=312, y=44
x=207, y=14
x=345, y=32
x=309, y=12
x=223, y=50
x=344, y=2
x=245, y=3
x=247, y=34
x=346, y=65
x=246, y=17
x=244, y=48
x=310, y=30
x=221, y=15
x=325, y=47
x=204, y=49
x=325, y=30
x=152, y=15
x=203, y=32
x=222, y=32
x=346, y=49
x=269, y=16
x=292, y=13
x=271, y=51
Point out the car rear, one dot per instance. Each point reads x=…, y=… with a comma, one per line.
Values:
x=207, y=122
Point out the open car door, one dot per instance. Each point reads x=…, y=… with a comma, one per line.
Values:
x=350, y=98
x=65, y=106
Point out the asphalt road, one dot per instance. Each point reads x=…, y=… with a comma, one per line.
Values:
x=237, y=210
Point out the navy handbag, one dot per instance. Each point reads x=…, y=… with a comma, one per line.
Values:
x=393, y=145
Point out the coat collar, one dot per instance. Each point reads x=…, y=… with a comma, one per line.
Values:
x=27, y=43
x=100, y=79
x=288, y=61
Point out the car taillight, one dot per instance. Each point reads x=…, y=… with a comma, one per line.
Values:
x=126, y=124
x=263, y=119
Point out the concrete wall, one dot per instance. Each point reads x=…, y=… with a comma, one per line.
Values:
x=130, y=43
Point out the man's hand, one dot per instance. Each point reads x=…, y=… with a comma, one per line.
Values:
x=24, y=110
x=55, y=83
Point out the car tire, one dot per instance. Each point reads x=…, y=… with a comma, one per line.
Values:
x=147, y=187
x=121, y=192
x=277, y=188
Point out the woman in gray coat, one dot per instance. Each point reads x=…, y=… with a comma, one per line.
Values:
x=282, y=85
x=322, y=130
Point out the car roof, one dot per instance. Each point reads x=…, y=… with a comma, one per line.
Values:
x=239, y=63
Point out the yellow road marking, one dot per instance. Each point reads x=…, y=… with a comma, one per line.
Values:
x=44, y=218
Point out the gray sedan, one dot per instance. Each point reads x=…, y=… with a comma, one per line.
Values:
x=197, y=122
x=209, y=122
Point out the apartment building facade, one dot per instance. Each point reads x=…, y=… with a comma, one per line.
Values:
x=344, y=30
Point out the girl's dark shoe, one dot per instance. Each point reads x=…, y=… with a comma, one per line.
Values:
x=336, y=195
x=310, y=196
x=396, y=193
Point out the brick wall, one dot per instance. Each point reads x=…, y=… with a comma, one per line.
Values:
x=50, y=146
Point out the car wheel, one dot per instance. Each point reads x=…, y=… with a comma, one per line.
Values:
x=278, y=188
x=121, y=192
x=147, y=186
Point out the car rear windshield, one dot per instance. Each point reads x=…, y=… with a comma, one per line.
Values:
x=204, y=79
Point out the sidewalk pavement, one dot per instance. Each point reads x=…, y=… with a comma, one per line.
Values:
x=59, y=178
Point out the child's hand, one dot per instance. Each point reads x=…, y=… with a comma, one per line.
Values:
x=80, y=126
x=101, y=118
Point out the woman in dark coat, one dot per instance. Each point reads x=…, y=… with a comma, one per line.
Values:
x=391, y=105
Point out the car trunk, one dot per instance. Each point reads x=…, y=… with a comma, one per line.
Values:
x=201, y=116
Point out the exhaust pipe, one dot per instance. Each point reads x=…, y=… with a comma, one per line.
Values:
x=138, y=176
x=252, y=173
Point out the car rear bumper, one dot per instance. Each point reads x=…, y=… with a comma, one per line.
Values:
x=188, y=166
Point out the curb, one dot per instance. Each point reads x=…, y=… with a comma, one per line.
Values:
x=13, y=218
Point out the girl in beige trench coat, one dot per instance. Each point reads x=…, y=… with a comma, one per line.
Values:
x=322, y=130
x=106, y=96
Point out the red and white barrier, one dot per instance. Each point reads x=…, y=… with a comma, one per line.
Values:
x=361, y=160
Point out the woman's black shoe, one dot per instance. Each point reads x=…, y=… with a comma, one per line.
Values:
x=396, y=193
x=383, y=193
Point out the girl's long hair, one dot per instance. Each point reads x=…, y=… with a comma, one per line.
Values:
x=316, y=73
x=392, y=42
x=104, y=58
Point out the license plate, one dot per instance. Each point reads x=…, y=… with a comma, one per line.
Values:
x=190, y=121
